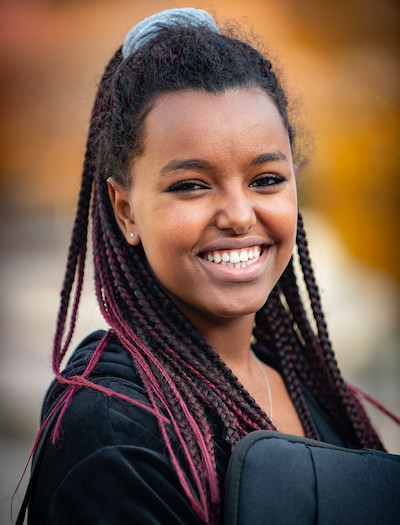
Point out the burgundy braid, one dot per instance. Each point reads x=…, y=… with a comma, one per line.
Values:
x=186, y=382
x=78, y=244
x=335, y=397
x=274, y=328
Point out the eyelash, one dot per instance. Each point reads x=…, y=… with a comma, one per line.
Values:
x=187, y=185
x=265, y=181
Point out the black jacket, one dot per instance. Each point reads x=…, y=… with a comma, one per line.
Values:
x=110, y=465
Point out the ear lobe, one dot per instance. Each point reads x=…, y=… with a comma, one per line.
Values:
x=123, y=212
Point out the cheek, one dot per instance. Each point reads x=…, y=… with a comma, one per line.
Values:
x=168, y=220
x=289, y=224
x=282, y=219
x=167, y=234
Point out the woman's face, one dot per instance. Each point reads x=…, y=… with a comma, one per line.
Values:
x=213, y=200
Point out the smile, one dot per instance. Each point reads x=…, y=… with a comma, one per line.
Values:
x=234, y=258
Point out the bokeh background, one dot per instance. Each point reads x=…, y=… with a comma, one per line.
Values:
x=339, y=57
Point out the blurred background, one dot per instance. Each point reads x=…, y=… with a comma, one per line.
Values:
x=340, y=57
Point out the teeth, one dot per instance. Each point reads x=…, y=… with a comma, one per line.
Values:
x=235, y=258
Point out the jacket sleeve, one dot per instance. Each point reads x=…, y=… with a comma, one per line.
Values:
x=121, y=485
x=110, y=466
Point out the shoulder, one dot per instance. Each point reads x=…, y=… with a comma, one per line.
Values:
x=119, y=413
x=108, y=466
x=101, y=435
x=94, y=419
x=114, y=367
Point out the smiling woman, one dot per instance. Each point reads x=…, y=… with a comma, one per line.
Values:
x=189, y=170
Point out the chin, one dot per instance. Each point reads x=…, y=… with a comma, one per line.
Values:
x=233, y=310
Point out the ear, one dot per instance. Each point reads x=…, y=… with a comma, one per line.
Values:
x=123, y=212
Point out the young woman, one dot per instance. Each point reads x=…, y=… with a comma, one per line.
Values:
x=190, y=176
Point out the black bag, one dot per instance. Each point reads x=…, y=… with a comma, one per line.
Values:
x=279, y=479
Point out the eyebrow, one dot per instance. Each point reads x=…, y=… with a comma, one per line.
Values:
x=186, y=164
x=203, y=165
x=278, y=156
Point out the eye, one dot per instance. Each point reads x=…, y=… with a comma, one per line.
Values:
x=187, y=186
x=267, y=181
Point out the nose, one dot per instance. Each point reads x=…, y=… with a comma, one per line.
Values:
x=236, y=211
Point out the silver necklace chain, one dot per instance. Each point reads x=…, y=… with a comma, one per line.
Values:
x=266, y=381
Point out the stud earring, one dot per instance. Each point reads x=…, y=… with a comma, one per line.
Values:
x=132, y=235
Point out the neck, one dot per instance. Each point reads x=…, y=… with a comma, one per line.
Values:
x=230, y=339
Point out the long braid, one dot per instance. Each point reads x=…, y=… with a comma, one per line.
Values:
x=177, y=409
x=338, y=400
x=78, y=245
x=274, y=329
x=309, y=356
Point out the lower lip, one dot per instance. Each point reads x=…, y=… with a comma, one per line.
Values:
x=238, y=275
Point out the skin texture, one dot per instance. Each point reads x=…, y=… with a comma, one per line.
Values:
x=216, y=174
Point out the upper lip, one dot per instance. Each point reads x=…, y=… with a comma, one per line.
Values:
x=233, y=244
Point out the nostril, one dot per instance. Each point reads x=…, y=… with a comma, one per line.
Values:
x=237, y=218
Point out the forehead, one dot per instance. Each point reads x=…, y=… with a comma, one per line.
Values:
x=202, y=123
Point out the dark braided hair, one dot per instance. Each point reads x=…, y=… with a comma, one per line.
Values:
x=180, y=371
